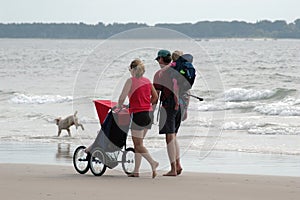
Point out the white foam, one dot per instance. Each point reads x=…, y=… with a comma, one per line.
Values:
x=39, y=99
x=287, y=107
x=241, y=94
x=215, y=106
x=274, y=131
x=241, y=125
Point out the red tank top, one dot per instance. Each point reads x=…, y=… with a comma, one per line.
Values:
x=140, y=95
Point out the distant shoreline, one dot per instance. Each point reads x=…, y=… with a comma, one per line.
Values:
x=195, y=39
x=278, y=29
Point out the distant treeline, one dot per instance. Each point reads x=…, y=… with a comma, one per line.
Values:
x=203, y=29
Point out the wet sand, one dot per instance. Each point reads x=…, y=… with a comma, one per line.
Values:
x=30, y=181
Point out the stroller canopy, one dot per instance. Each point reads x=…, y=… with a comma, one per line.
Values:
x=102, y=107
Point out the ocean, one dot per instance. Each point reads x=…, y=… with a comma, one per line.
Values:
x=247, y=123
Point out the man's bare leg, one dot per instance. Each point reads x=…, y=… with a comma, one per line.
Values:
x=171, y=149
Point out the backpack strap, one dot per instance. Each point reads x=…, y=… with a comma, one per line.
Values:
x=176, y=93
x=159, y=108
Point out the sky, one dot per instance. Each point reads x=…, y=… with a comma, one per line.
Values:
x=150, y=12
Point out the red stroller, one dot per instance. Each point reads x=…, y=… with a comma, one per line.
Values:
x=109, y=143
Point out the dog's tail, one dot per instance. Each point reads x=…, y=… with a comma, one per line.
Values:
x=75, y=113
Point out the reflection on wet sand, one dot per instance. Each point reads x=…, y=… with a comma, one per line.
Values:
x=64, y=152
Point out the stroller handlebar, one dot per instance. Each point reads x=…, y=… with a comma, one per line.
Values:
x=117, y=110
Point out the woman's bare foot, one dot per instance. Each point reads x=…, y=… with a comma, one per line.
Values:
x=154, y=166
x=154, y=174
x=133, y=175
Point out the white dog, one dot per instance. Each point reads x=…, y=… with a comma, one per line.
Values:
x=67, y=122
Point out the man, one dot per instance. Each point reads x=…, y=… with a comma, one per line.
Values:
x=170, y=114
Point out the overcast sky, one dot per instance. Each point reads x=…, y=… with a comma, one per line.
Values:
x=147, y=11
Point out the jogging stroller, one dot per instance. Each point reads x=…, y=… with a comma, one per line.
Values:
x=109, y=143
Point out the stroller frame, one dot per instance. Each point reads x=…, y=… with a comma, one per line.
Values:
x=105, y=150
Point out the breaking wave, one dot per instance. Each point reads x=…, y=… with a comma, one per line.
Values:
x=39, y=99
x=241, y=94
x=286, y=107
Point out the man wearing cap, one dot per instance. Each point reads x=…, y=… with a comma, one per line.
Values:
x=170, y=118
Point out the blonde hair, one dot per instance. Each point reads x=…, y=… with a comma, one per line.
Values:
x=176, y=54
x=138, y=66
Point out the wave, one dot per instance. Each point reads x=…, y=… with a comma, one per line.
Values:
x=4, y=95
x=242, y=125
x=280, y=108
x=217, y=106
x=261, y=128
x=39, y=99
x=250, y=100
x=288, y=107
x=274, y=131
x=241, y=94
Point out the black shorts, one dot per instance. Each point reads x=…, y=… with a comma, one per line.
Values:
x=169, y=120
x=142, y=120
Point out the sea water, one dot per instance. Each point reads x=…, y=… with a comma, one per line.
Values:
x=247, y=123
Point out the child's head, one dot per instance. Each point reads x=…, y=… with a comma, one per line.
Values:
x=176, y=54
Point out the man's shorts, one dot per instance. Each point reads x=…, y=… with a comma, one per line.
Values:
x=141, y=120
x=169, y=120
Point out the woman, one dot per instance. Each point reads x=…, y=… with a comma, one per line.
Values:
x=142, y=95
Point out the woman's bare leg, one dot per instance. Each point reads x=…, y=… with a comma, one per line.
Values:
x=140, y=150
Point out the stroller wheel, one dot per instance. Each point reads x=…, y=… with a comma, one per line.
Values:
x=97, y=161
x=81, y=160
x=128, y=160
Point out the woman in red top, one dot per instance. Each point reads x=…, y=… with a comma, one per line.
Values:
x=142, y=95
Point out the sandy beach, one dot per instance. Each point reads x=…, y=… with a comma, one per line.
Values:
x=29, y=181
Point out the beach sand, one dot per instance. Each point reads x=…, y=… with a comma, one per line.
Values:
x=29, y=182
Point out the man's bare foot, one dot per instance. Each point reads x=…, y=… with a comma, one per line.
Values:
x=179, y=170
x=170, y=173
x=133, y=175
